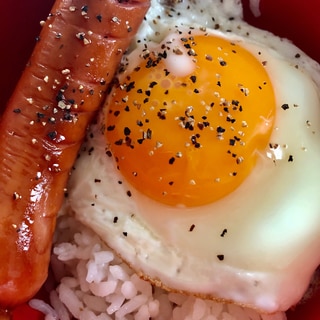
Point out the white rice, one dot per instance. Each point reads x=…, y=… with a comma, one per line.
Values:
x=94, y=284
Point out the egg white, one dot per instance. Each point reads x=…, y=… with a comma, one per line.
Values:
x=267, y=230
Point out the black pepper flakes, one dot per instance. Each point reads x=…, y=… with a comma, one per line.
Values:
x=126, y=131
x=194, y=141
x=192, y=228
x=193, y=79
x=111, y=128
x=68, y=116
x=200, y=125
x=230, y=119
x=52, y=135
x=60, y=96
x=223, y=233
x=84, y=9
x=220, y=130
x=40, y=115
x=109, y=153
x=162, y=114
x=99, y=17
x=130, y=86
x=17, y=110
x=235, y=102
x=152, y=84
x=90, y=151
x=290, y=159
x=285, y=106
x=220, y=257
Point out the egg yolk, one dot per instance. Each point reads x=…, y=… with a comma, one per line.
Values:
x=186, y=125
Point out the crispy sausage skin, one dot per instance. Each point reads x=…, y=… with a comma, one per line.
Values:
x=44, y=123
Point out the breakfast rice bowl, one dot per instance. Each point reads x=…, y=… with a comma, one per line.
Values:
x=89, y=280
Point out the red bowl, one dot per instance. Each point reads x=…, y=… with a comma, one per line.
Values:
x=291, y=19
x=19, y=26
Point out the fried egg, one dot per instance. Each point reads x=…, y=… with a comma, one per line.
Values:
x=202, y=170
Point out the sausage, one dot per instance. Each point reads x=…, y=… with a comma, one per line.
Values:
x=44, y=123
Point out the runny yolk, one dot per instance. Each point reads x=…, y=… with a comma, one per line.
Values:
x=185, y=126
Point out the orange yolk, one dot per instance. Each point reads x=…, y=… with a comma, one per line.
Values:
x=191, y=137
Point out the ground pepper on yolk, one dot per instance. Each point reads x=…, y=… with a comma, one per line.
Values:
x=191, y=137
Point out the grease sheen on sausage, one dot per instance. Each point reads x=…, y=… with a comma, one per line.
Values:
x=44, y=123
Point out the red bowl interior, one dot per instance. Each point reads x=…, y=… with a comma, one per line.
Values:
x=19, y=26
x=291, y=19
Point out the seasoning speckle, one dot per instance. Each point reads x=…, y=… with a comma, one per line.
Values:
x=16, y=196
x=220, y=257
x=99, y=17
x=52, y=135
x=285, y=106
x=116, y=20
x=84, y=10
x=223, y=233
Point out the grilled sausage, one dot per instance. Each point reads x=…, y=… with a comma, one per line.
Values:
x=41, y=130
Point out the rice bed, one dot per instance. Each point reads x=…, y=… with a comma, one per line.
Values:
x=94, y=284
